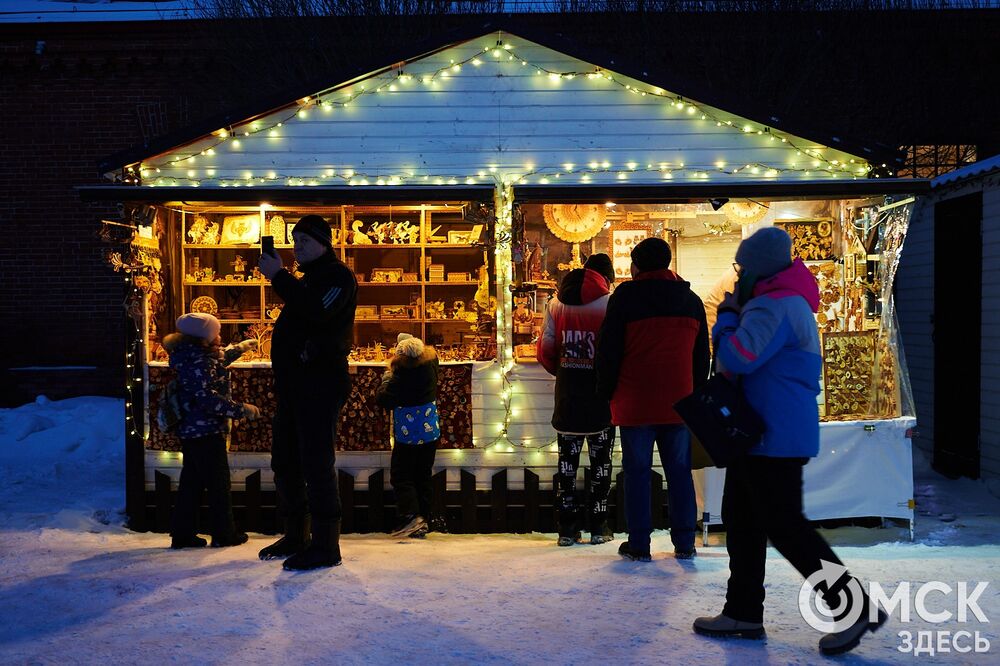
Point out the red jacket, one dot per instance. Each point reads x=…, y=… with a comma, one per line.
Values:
x=653, y=348
x=567, y=347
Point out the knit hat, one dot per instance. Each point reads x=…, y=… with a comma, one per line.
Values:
x=407, y=345
x=316, y=227
x=601, y=263
x=199, y=325
x=652, y=254
x=765, y=253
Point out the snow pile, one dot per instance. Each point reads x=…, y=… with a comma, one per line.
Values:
x=62, y=463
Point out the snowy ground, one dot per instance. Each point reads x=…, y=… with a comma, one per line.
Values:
x=77, y=587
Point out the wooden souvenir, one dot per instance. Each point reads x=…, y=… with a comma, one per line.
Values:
x=366, y=312
x=812, y=240
x=204, y=304
x=622, y=238
x=387, y=275
x=240, y=229
x=848, y=373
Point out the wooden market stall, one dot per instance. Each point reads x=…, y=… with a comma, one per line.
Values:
x=461, y=182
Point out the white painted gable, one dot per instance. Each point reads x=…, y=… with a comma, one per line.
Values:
x=479, y=112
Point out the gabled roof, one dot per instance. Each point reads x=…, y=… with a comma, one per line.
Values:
x=974, y=170
x=628, y=77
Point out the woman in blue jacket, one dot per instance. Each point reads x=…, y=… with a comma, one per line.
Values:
x=766, y=334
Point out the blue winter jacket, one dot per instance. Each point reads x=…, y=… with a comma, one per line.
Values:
x=774, y=345
x=203, y=386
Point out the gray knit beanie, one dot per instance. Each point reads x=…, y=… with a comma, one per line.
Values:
x=407, y=345
x=766, y=252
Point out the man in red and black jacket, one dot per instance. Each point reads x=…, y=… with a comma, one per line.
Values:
x=652, y=351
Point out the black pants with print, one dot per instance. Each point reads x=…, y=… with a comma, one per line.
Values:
x=569, y=502
x=410, y=476
x=762, y=500
x=206, y=465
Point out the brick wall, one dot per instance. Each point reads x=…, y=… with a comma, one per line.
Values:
x=61, y=110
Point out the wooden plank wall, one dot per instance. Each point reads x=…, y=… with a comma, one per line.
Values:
x=990, y=422
x=914, y=298
x=501, y=114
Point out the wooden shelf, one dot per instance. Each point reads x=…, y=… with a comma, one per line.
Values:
x=388, y=284
x=242, y=321
x=380, y=246
x=463, y=283
x=223, y=283
x=195, y=246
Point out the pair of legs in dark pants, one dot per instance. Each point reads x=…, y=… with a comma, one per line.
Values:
x=206, y=465
x=763, y=500
x=410, y=476
x=674, y=445
x=303, y=455
x=599, y=447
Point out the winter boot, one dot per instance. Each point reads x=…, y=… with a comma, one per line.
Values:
x=569, y=539
x=408, y=526
x=601, y=534
x=628, y=553
x=295, y=540
x=685, y=554
x=232, y=539
x=193, y=541
x=722, y=626
x=848, y=639
x=324, y=551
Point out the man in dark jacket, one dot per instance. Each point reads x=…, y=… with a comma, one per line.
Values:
x=652, y=351
x=312, y=338
x=566, y=349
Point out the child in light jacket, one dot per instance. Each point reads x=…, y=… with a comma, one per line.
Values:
x=207, y=408
x=409, y=388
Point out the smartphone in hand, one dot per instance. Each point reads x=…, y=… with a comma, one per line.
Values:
x=267, y=245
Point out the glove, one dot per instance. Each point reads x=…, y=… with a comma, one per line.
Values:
x=250, y=412
x=246, y=345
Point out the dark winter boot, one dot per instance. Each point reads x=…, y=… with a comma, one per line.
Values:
x=324, y=551
x=295, y=540
x=193, y=541
x=601, y=534
x=231, y=539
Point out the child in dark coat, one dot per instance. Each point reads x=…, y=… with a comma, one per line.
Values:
x=409, y=388
x=207, y=406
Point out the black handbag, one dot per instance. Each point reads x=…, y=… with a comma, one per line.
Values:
x=717, y=413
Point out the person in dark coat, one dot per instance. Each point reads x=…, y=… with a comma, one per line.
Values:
x=766, y=334
x=409, y=388
x=309, y=347
x=566, y=349
x=653, y=351
x=207, y=407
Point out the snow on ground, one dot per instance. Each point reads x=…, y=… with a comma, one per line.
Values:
x=75, y=586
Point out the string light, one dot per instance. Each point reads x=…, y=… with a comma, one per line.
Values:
x=343, y=97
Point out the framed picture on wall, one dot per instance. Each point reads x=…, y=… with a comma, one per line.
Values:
x=240, y=229
x=621, y=239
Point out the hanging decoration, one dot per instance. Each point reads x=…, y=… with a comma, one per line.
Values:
x=744, y=212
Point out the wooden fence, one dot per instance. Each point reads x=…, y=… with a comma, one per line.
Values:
x=467, y=510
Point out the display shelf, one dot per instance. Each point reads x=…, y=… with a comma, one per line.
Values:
x=389, y=284
x=454, y=283
x=224, y=283
x=414, y=258
x=380, y=246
